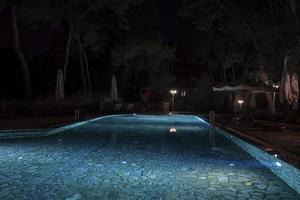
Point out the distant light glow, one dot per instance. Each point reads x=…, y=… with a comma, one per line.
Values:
x=172, y=130
x=124, y=162
x=231, y=164
x=170, y=113
x=134, y=114
x=275, y=155
x=240, y=101
x=276, y=86
x=278, y=164
x=173, y=92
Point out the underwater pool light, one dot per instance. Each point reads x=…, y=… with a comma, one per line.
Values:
x=278, y=164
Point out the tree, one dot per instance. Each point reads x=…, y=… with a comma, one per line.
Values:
x=258, y=22
x=267, y=25
x=83, y=20
x=138, y=55
x=142, y=48
x=31, y=11
x=70, y=14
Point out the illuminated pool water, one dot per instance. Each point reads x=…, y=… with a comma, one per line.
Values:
x=135, y=157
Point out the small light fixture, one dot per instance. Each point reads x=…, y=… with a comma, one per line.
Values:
x=276, y=85
x=170, y=113
x=278, y=164
x=240, y=102
x=173, y=92
x=134, y=114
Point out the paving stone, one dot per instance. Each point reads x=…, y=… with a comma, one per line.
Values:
x=74, y=197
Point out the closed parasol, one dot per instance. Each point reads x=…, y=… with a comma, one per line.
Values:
x=114, y=89
x=59, y=91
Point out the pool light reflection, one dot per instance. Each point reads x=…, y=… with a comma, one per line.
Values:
x=172, y=130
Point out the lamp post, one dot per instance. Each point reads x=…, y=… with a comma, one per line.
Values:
x=276, y=86
x=240, y=102
x=173, y=92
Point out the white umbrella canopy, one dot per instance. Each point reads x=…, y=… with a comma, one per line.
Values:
x=114, y=89
x=59, y=91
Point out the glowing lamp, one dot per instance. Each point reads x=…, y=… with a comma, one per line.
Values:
x=172, y=130
x=173, y=92
x=240, y=102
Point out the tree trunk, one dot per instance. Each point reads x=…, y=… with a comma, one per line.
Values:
x=20, y=54
x=86, y=62
x=85, y=66
x=68, y=52
x=224, y=75
x=268, y=96
x=233, y=73
x=294, y=10
x=211, y=73
x=82, y=72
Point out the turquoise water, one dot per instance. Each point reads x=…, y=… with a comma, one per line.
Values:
x=135, y=157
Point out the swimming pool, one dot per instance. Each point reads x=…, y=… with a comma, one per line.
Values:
x=135, y=157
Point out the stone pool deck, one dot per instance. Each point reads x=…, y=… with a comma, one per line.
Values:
x=17, y=123
x=40, y=122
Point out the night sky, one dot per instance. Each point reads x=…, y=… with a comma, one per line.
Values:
x=172, y=25
x=36, y=43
